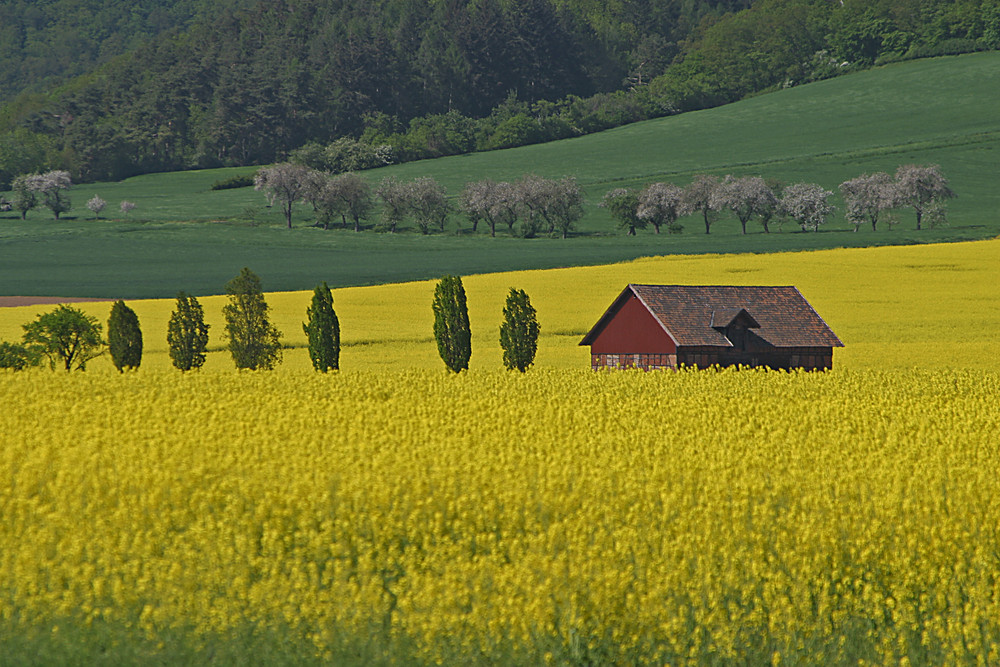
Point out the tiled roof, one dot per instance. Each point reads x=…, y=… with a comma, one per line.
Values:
x=689, y=313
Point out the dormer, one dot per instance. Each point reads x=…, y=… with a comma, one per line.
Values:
x=733, y=325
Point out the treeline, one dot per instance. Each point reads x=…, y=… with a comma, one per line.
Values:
x=868, y=198
x=532, y=205
x=406, y=79
x=43, y=44
x=68, y=339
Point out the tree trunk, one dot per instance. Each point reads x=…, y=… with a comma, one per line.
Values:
x=708, y=224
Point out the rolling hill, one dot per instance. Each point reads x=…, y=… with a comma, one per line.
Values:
x=185, y=236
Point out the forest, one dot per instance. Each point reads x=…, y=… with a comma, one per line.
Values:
x=227, y=82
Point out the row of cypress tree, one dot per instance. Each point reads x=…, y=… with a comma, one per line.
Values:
x=70, y=338
x=518, y=331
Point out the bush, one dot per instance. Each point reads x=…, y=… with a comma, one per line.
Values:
x=17, y=357
x=240, y=181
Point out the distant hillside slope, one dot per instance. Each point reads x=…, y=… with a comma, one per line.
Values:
x=183, y=235
x=43, y=44
x=249, y=85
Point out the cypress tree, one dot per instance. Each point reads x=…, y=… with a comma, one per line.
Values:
x=253, y=340
x=518, y=332
x=451, y=324
x=187, y=333
x=323, y=330
x=124, y=337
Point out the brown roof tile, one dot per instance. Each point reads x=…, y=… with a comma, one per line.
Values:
x=689, y=312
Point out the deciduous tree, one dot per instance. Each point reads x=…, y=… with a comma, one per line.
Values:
x=66, y=336
x=322, y=330
x=124, y=337
x=660, y=204
x=807, y=204
x=25, y=196
x=867, y=196
x=699, y=197
x=429, y=203
x=921, y=187
x=284, y=184
x=253, y=341
x=623, y=205
x=395, y=202
x=15, y=356
x=96, y=205
x=187, y=333
x=746, y=197
x=52, y=187
x=355, y=195
x=519, y=331
x=451, y=324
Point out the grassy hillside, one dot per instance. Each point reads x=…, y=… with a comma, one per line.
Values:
x=185, y=236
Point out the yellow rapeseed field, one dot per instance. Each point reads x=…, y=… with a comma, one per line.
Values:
x=563, y=516
x=931, y=306
x=397, y=514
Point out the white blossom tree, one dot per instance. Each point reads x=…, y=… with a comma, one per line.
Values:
x=746, y=197
x=126, y=207
x=395, y=198
x=428, y=201
x=556, y=203
x=96, y=205
x=490, y=202
x=807, y=204
x=52, y=188
x=660, y=204
x=284, y=184
x=867, y=196
x=923, y=188
x=699, y=196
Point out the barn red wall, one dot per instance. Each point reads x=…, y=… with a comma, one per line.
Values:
x=633, y=329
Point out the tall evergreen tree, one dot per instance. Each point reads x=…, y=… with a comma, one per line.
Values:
x=519, y=331
x=253, y=340
x=187, y=333
x=323, y=330
x=451, y=324
x=124, y=337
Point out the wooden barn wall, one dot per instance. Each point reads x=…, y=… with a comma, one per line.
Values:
x=633, y=330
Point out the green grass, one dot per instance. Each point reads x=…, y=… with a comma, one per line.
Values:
x=183, y=235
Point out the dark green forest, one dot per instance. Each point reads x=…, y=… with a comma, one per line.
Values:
x=111, y=89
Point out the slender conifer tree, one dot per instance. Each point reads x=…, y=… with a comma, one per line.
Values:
x=323, y=331
x=451, y=324
x=124, y=337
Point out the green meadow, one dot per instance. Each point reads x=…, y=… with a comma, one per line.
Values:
x=183, y=235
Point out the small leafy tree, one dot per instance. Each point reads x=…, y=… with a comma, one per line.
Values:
x=428, y=201
x=699, y=196
x=623, y=205
x=451, y=324
x=126, y=207
x=490, y=202
x=52, y=186
x=923, y=187
x=807, y=204
x=25, y=197
x=187, y=333
x=322, y=329
x=746, y=197
x=395, y=202
x=355, y=195
x=96, y=205
x=124, y=337
x=660, y=205
x=867, y=196
x=283, y=183
x=253, y=340
x=16, y=356
x=519, y=331
x=66, y=336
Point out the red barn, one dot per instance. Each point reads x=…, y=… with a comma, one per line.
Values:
x=666, y=326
